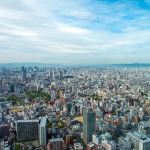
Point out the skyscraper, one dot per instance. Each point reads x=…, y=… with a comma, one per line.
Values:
x=50, y=74
x=43, y=131
x=89, y=124
x=37, y=79
x=0, y=83
x=60, y=74
x=42, y=81
x=12, y=88
x=53, y=77
x=24, y=75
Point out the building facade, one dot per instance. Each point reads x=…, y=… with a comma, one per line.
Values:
x=89, y=124
x=27, y=130
x=139, y=141
x=43, y=131
x=56, y=144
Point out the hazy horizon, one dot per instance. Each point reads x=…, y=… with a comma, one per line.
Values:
x=75, y=32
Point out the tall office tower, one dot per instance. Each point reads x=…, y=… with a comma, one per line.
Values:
x=27, y=129
x=50, y=74
x=60, y=74
x=43, y=81
x=1, y=118
x=3, y=82
x=23, y=68
x=89, y=124
x=43, y=131
x=65, y=71
x=24, y=75
x=12, y=88
x=53, y=75
x=0, y=83
x=37, y=79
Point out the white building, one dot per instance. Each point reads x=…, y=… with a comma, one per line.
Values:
x=139, y=140
x=109, y=145
x=78, y=146
x=43, y=132
x=96, y=139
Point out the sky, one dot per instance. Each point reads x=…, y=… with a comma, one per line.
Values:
x=75, y=31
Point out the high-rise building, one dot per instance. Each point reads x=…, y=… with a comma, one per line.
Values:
x=3, y=83
x=50, y=74
x=42, y=81
x=23, y=68
x=37, y=79
x=0, y=83
x=12, y=88
x=89, y=124
x=1, y=118
x=53, y=75
x=60, y=74
x=43, y=131
x=24, y=75
x=27, y=129
x=65, y=71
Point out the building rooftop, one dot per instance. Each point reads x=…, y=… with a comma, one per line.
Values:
x=139, y=137
x=55, y=140
x=43, y=121
x=91, y=145
x=27, y=121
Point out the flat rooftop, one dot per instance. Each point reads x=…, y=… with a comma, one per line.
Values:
x=27, y=121
x=139, y=137
x=55, y=140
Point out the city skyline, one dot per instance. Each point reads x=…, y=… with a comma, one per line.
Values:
x=75, y=32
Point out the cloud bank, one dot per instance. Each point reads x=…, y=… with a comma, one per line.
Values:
x=75, y=32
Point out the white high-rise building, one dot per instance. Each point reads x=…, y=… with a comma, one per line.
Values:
x=53, y=75
x=43, y=131
x=37, y=79
x=50, y=74
x=43, y=81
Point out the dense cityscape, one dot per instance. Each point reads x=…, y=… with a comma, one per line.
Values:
x=74, y=108
x=74, y=74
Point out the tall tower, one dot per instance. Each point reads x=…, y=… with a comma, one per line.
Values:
x=37, y=79
x=0, y=83
x=24, y=75
x=89, y=124
x=60, y=74
x=43, y=131
x=50, y=75
x=53, y=75
x=12, y=88
x=42, y=81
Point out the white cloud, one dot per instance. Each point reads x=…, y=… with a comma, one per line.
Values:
x=69, y=30
x=73, y=30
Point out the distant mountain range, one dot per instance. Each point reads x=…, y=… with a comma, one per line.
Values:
x=69, y=65
x=132, y=65
x=27, y=64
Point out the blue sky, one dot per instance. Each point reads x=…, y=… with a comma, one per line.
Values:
x=75, y=31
